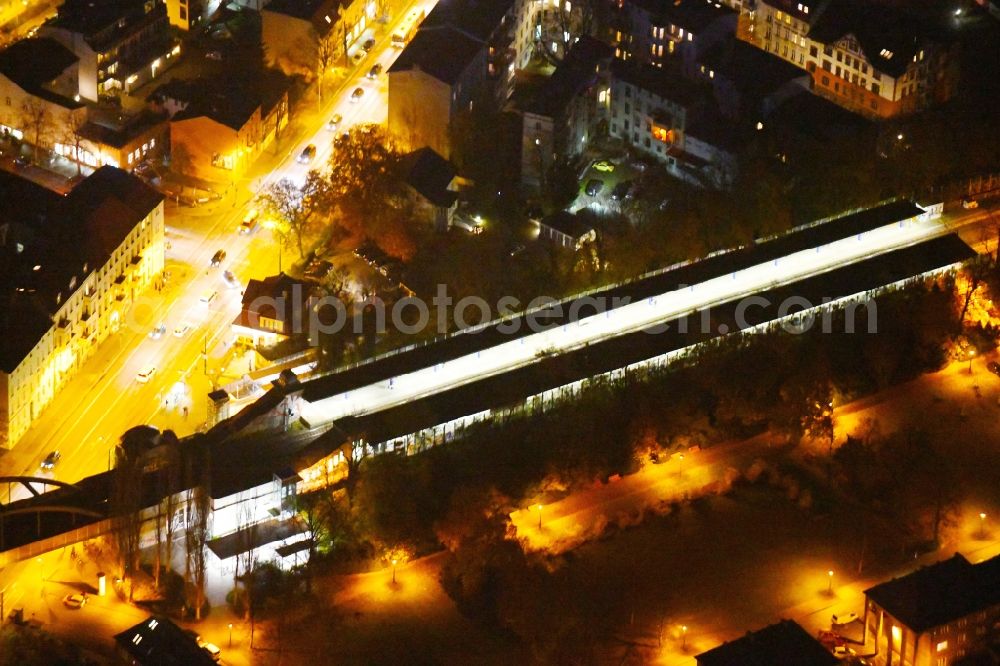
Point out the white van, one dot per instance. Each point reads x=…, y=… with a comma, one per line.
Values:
x=209, y=296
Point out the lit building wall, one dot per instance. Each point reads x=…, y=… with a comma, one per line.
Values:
x=205, y=148
x=843, y=73
x=95, y=308
x=420, y=111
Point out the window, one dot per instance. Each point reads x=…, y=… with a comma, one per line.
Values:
x=875, y=88
x=813, y=52
x=184, y=14
x=942, y=646
x=840, y=57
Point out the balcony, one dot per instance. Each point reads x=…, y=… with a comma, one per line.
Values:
x=120, y=279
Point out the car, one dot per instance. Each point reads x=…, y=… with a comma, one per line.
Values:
x=516, y=250
x=307, y=154
x=218, y=257
x=970, y=203
x=357, y=94
x=594, y=186
x=375, y=71
x=358, y=57
x=213, y=650
x=604, y=166
x=50, y=460
x=181, y=330
x=843, y=652
x=993, y=367
x=75, y=601
x=158, y=332
x=214, y=55
x=145, y=374
x=622, y=190
x=844, y=618
x=249, y=222
x=369, y=44
x=22, y=162
x=334, y=122
x=230, y=279
x=208, y=297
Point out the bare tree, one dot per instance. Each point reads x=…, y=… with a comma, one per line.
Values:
x=246, y=536
x=326, y=53
x=196, y=534
x=286, y=204
x=72, y=131
x=37, y=118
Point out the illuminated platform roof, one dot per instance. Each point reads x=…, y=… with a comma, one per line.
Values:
x=460, y=344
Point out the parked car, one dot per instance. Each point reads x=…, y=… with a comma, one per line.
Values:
x=993, y=367
x=334, y=122
x=604, y=165
x=145, y=374
x=158, y=332
x=218, y=257
x=622, y=190
x=357, y=94
x=594, y=186
x=307, y=154
x=213, y=651
x=214, y=55
x=358, y=56
x=22, y=162
x=230, y=279
x=374, y=71
x=970, y=203
x=249, y=222
x=74, y=601
x=844, y=618
x=369, y=44
x=181, y=330
x=51, y=460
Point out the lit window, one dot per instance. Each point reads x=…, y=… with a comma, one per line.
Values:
x=690, y=36
x=942, y=646
x=885, y=53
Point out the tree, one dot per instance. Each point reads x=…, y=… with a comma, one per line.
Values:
x=326, y=53
x=287, y=207
x=126, y=498
x=196, y=532
x=72, y=131
x=364, y=191
x=38, y=120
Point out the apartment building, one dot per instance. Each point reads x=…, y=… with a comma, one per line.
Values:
x=70, y=268
x=648, y=31
x=465, y=52
x=218, y=128
x=300, y=36
x=873, y=59
x=936, y=616
x=38, y=93
x=673, y=120
x=120, y=44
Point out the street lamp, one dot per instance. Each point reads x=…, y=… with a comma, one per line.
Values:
x=230, y=634
x=972, y=354
x=684, y=636
x=829, y=584
x=394, y=571
x=982, y=525
x=539, y=507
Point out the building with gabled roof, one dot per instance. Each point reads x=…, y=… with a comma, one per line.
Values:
x=785, y=643
x=873, y=58
x=156, y=641
x=300, y=36
x=274, y=309
x=431, y=181
x=936, y=615
x=70, y=268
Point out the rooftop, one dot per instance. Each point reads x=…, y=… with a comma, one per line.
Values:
x=33, y=63
x=784, y=643
x=443, y=53
x=567, y=223
x=49, y=242
x=118, y=132
x=322, y=14
x=159, y=642
x=576, y=72
x=940, y=593
x=889, y=37
x=477, y=19
x=430, y=175
x=693, y=15
x=668, y=82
